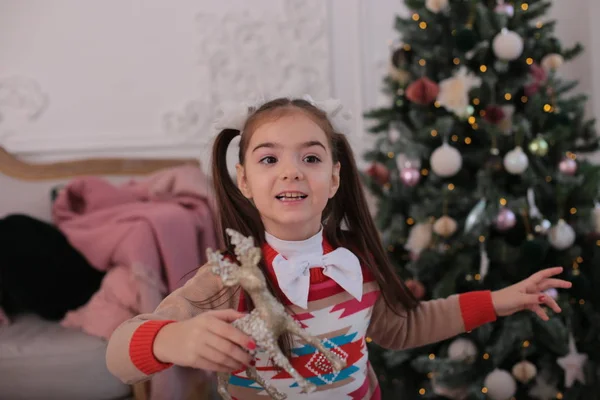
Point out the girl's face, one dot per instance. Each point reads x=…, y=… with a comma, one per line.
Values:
x=289, y=175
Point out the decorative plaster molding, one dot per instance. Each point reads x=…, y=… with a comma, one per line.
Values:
x=245, y=55
x=240, y=54
x=22, y=101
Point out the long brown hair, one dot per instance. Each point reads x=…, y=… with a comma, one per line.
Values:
x=360, y=233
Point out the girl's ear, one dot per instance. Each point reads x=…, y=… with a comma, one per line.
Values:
x=242, y=181
x=335, y=179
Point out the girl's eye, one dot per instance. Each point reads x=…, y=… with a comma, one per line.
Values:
x=312, y=159
x=268, y=160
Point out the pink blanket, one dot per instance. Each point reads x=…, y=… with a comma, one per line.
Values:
x=149, y=236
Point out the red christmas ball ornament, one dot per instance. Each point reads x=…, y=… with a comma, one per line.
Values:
x=494, y=114
x=423, y=91
x=379, y=173
x=538, y=78
x=410, y=176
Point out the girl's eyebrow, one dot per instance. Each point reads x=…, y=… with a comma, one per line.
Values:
x=272, y=145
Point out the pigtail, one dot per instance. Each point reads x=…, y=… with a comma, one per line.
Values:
x=365, y=236
x=235, y=210
x=238, y=213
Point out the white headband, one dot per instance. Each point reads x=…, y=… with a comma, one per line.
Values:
x=235, y=115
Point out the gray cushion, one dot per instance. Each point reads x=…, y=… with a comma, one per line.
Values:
x=42, y=360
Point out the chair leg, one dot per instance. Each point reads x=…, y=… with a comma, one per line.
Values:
x=141, y=390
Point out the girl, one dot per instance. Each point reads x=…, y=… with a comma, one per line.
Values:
x=297, y=183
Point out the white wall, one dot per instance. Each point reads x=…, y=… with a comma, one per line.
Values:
x=143, y=77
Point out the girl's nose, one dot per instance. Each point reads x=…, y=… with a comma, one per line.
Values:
x=291, y=171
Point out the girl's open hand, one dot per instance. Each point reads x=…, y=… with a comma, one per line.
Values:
x=528, y=294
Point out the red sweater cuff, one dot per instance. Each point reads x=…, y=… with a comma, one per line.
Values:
x=476, y=308
x=141, y=347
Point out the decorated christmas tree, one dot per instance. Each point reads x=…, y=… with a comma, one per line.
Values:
x=480, y=177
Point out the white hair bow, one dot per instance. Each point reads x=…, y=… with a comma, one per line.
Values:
x=235, y=114
x=339, y=118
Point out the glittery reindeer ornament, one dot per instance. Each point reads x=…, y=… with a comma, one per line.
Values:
x=267, y=321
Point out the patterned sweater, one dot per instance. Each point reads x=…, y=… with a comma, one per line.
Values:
x=333, y=315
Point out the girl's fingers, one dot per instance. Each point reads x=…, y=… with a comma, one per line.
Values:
x=550, y=302
x=540, y=312
x=531, y=300
x=208, y=365
x=553, y=283
x=213, y=354
x=545, y=273
x=228, y=349
x=234, y=335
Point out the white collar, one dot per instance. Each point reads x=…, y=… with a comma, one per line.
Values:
x=292, y=248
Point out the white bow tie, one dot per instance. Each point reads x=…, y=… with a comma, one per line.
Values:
x=341, y=265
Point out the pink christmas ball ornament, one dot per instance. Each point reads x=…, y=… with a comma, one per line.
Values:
x=568, y=166
x=410, y=176
x=505, y=220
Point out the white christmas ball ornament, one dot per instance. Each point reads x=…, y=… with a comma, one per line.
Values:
x=524, y=371
x=419, y=238
x=516, y=161
x=435, y=6
x=446, y=161
x=552, y=62
x=508, y=45
x=561, y=236
x=500, y=385
x=462, y=349
x=445, y=226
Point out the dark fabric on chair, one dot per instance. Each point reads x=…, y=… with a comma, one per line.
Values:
x=40, y=272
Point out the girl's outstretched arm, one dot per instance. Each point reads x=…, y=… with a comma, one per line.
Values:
x=130, y=354
x=431, y=321
x=436, y=320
